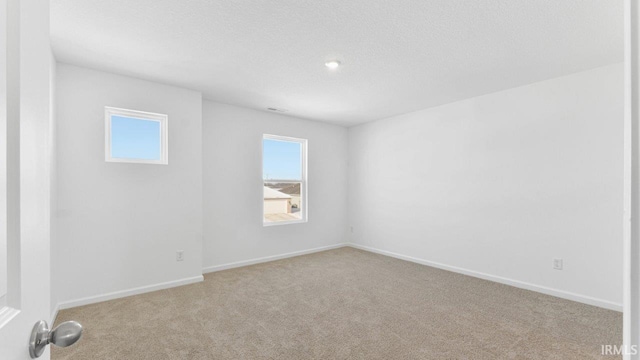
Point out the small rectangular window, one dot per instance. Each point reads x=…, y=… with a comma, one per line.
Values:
x=284, y=175
x=135, y=136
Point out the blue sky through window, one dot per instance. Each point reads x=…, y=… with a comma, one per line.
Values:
x=133, y=138
x=281, y=160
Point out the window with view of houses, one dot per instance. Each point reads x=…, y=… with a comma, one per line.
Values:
x=284, y=179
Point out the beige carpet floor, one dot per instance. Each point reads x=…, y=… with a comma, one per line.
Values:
x=341, y=304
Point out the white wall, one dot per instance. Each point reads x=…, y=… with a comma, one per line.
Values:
x=233, y=189
x=496, y=186
x=120, y=225
x=53, y=168
x=3, y=156
x=501, y=184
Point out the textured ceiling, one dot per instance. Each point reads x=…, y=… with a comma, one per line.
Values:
x=398, y=55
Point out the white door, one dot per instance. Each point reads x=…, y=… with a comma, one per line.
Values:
x=25, y=174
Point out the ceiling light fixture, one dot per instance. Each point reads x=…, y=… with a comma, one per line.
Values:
x=332, y=64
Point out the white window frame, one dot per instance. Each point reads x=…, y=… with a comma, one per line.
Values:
x=304, y=198
x=148, y=116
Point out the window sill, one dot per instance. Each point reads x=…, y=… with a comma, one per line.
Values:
x=276, y=223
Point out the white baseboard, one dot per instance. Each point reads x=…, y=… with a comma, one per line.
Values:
x=149, y=288
x=519, y=284
x=124, y=293
x=515, y=283
x=237, y=264
x=54, y=315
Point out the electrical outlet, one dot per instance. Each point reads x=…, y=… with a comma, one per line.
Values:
x=557, y=264
x=179, y=255
x=352, y=229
